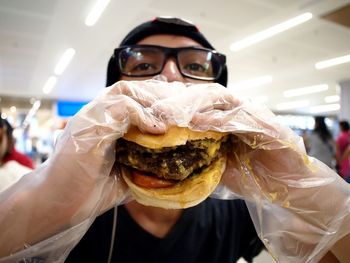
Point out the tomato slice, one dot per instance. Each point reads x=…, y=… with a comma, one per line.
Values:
x=148, y=181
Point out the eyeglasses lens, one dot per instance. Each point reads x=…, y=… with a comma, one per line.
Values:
x=139, y=61
x=197, y=63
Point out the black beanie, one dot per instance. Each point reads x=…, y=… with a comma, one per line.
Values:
x=157, y=26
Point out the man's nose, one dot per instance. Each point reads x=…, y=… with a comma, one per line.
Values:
x=171, y=71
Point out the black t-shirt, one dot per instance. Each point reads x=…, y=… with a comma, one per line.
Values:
x=213, y=231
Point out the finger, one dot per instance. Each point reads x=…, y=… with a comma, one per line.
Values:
x=128, y=111
x=214, y=120
x=136, y=90
x=219, y=101
x=197, y=109
x=146, y=121
x=213, y=96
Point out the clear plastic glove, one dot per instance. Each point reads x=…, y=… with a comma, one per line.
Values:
x=78, y=181
x=300, y=207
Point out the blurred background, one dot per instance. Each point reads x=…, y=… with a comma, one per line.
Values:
x=292, y=56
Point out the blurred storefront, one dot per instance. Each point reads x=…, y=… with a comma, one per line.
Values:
x=36, y=123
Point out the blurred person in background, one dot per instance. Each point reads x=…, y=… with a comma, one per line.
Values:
x=10, y=169
x=346, y=157
x=342, y=143
x=12, y=154
x=320, y=142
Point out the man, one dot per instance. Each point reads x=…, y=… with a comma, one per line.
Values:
x=146, y=234
x=227, y=232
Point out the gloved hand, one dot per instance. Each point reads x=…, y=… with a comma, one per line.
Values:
x=78, y=181
x=300, y=207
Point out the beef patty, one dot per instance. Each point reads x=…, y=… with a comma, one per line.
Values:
x=174, y=163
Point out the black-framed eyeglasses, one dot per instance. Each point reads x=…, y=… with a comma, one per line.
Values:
x=149, y=60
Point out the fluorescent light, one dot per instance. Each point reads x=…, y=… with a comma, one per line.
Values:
x=13, y=109
x=325, y=108
x=49, y=84
x=333, y=98
x=252, y=83
x=305, y=90
x=96, y=12
x=292, y=105
x=271, y=31
x=36, y=105
x=332, y=62
x=31, y=113
x=64, y=61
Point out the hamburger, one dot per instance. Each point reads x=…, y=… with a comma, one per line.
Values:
x=178, y=169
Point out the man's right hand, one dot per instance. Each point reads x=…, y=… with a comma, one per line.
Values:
x=78, y=181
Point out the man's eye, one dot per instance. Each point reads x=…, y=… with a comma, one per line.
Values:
x=195, y=67
x=143, y=67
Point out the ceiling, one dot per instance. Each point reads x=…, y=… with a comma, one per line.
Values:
x=34, y=34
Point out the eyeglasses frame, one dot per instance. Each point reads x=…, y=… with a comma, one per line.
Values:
x=171, y=52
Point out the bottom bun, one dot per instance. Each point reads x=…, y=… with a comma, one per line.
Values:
x=186, y=193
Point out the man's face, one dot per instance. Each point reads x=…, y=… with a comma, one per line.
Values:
x=170, y=71
x=3, y=143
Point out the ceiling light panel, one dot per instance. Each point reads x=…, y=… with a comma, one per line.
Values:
x=64, y=61
x=305, y=90
x=325, y=108
x=96, y=12
x=331, y=99
x=49, y=84
x=271, y=31
x=332, y=62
